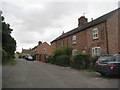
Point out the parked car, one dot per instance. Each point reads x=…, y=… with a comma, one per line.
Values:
x=29, y=57
x=26, y=57
x=108, y=64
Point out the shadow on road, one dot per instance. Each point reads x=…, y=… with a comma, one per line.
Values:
x=109, y=76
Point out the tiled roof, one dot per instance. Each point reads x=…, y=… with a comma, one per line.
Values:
x=84, y=27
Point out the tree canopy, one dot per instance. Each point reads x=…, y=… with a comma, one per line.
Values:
x=8, y=42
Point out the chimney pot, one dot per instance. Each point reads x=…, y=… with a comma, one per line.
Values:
x=39, y=42
x=92, y=19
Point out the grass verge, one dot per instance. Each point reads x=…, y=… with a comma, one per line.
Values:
x=89, y=70
x=13, y=62
x=10, y=61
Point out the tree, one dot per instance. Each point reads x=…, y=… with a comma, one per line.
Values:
x=8, y=42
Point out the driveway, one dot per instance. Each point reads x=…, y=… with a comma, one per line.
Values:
x=33, y=74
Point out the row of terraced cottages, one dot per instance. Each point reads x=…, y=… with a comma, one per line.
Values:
x=100, y=36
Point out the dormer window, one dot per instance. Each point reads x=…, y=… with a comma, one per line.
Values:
x=74, y=39
x=95, y=33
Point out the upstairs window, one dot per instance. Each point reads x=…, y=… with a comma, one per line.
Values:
x=62, y=43
x=44, y=50
x=74, y=39
x=96, y=51
x=95, y=33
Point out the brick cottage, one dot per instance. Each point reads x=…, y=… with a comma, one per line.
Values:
x=41, y=51
x=100, y=36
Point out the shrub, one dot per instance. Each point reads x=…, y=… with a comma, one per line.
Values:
x=4, y=56
x=12, y=62
x=61, y=56
x=66, y=50
x=62, y=51
x=93, y=60
x=80, y=61
x=75, y=64
x=50, y=59
x=57, y=52
x=62, y=60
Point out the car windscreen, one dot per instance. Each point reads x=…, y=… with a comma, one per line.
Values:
x=106, y=58
x=118, y=58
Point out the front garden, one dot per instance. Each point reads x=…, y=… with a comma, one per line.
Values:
x=63, y=57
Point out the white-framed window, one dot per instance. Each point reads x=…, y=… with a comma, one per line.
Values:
x=44, y=50
x=96, y=51
x=74, y=39
x=84, y=51
x=74, y=51
x=62, y=42
x=95, y=33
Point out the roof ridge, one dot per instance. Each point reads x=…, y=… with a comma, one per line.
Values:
x=87, y=25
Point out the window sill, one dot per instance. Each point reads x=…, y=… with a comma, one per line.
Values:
x=74, y=43
x=95, y=39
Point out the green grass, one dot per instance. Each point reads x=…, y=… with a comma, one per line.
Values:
x=10, y=62
x=13, y=62
x=90, y=70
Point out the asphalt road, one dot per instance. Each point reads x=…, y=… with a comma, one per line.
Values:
x=33, y=74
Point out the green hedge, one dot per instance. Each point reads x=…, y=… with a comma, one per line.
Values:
x=62, y=51
x=80, y=61
x=93, y=60
x=63, y=60
x=50, y=59
x=60, y=56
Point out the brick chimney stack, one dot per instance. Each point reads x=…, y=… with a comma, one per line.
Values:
x=63, y=33
x=40, y=42
x=82, y=20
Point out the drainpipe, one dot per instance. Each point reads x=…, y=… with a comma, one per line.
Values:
x=106, y=37
x=67, y=41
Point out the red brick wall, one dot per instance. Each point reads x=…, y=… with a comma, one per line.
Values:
x=112, y=28
x=80, y=41
x=40, y=48
x=86, y=41
x=100, y=42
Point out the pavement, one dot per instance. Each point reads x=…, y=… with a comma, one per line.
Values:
x=35, y=74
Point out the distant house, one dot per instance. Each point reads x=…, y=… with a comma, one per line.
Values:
x=41, y=51
x=33, y=51
x=97, y=37
x=17, y=54
x=25, y=52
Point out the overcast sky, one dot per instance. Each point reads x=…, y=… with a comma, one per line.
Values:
x=45, y=20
